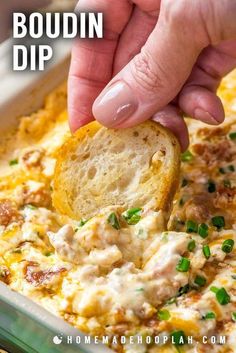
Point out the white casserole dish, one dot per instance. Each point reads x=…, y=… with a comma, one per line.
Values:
x=24, y=325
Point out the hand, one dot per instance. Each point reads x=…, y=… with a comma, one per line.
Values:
x=158, y=59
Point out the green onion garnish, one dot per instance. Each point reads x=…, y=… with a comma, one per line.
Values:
x=203, y=230
x=139, y=289
x=113, y=221
x=171, y=301
x=209, y=316
x=82, y=222
x=163, y=315
x=13, y=162
x=206, y=251
x=31, y=207
x=214, y=289
x=222, y=296
x=178, y=338
x=191, y=245
x=186, y=156
x=233, y=315
x=48, y=253
x=183, y=290
x=218, y=221
x=191, y=226
x=228, y=245
x=200, y=281
x=17, y=251
x=211, y=186
x=183, y=265
x=132, y=216
x=234, y=277
x=232, y=135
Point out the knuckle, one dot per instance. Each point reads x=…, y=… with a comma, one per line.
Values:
x=147, y=73
x=176, y=11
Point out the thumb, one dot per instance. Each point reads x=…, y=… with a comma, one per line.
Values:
x=156, y=75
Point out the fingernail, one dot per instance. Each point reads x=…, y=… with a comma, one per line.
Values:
x=116, y=104
x=205, y=116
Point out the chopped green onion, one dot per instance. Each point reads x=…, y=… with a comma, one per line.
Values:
x=113, y=221
x=232, y=135
x=234, y=316
x=134, y=219
x=221, y=170
x=218, y=221
x=206, y=251
x=186, y=156
x=31, y=207
x=184, y=183
x=222, y=296
x=231, y=168
x=214, y=289
x=183, y=290
x=17, y=251
x=163, y=315
x=48, y=253
x=211, y=186
x=191, y=245
x=13, y=162
x=203, y=230
x=132, y=216
x=227, y=183
x=209, y=316
x=191, y=227
x=82, y=222
x=171, y=301
x=178, y=338
x=234, y=277
x=200, y=281
x=183, y=265
x=228, y=245
x=139, y=289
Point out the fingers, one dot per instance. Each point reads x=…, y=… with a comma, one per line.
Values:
x=135, y=35
x=92, y=60
x=201, y=104
x=154, y=77
x=137, y=31
x=198, y=98
x=171, y=118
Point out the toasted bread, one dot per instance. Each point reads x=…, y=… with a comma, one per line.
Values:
x=100, y=167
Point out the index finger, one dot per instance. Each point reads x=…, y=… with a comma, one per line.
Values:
x=92, y=59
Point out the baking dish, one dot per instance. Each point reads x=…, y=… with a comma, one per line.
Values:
x=25, y=326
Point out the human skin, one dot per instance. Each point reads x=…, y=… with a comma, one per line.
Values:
x=158, y=59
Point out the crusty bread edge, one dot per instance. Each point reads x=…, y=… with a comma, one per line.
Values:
x=167, y=189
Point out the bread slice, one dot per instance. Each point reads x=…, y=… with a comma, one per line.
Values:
x=100, y=167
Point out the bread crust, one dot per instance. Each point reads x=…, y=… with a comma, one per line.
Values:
x=100, y=167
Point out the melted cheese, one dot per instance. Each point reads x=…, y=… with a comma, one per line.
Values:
x=116, y=282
